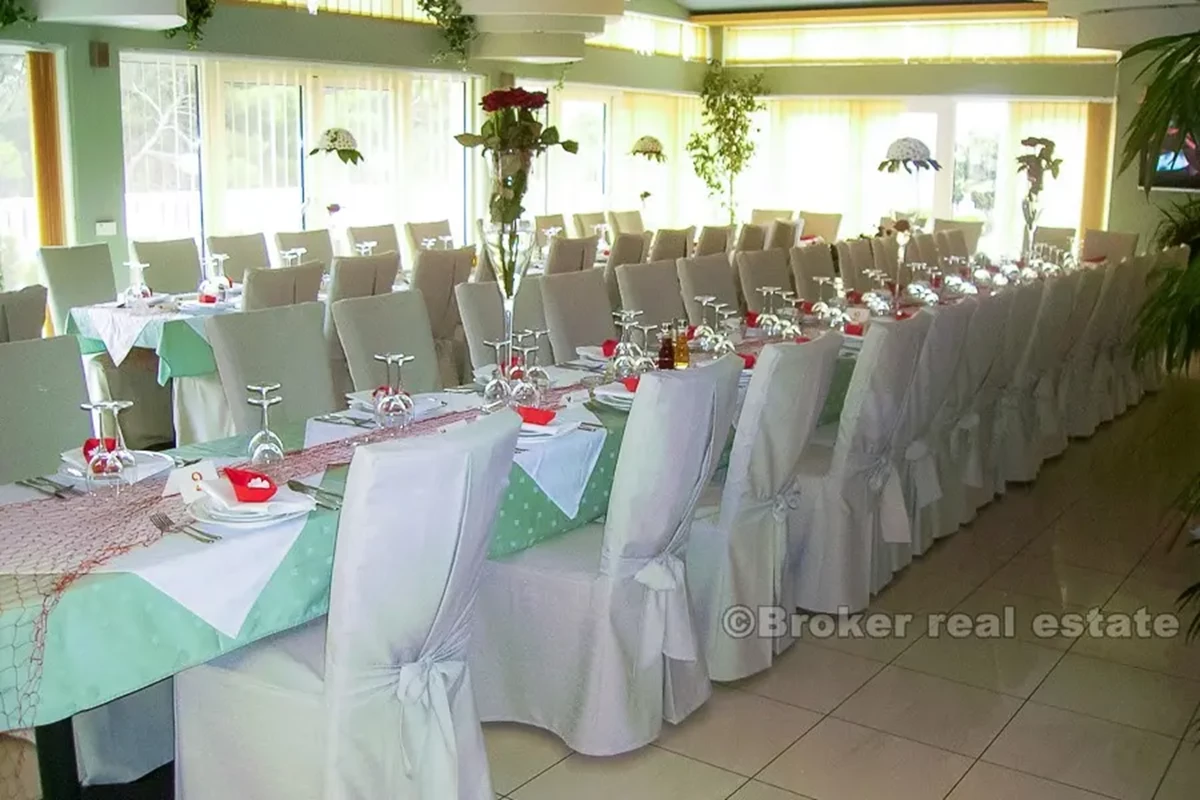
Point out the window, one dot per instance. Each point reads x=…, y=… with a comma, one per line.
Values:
x=988, y=40
x=650, y=35
x=217, y=146
x=407, y=10
x=18, y=206
x=979, y=130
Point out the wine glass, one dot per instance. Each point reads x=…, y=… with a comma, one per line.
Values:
x=534, y=371
x=646, y=361
x=110, y=465
x=428, y=243
x=215, y=284
x=601, y=232
x=525, y=391
x=703, y=333
x=265, y=448
x=447, y=241
x=394, y=407
x=366, y=248
x=138, y=292
x=497, y=393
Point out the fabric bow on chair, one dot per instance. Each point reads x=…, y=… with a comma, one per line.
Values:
x=668, y=630
x=428, y=749
x=923, y=467
x=881, y=480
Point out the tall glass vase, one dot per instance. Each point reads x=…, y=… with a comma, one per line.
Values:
x=1031, y=210
x=510, y=247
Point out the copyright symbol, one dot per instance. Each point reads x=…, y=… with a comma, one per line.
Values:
x=738, y=622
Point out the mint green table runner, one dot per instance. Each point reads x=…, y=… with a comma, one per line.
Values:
x=182, y=351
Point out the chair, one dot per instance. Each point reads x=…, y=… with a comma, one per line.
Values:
x=571, y=255
x=374, y=700
x=395, y=322
x=417, y=233
x=781, y=235
x=173, y=265
x=285, y=286
x=924, y=250
x=628, y=248
x=585, y=224
x=823, y=226
x=435, y=274
x=886, y=254
x=952, y=244
x=1117, y=385
x=1062, y=238
x=765, y=216
x=543, y=224
x=620, y=222
x=706, y=276
x=855, y=259
x=483, y=318
x=972, y=229
x=653, y=289
x=317, y=246
x=22, y=314
x=282, y=345
x=764, y=268
x=1086, y=385
x=714, y=240
x=813, y=261
x=354, y=276
x=384, y=236
x=245, y=253
x=577, y=312
x=41, y=392
x=737, y=554
x=483, y=260
x=672, y=244
x=589, y=635
x=82, y=276
x=1111, y=245
x=751, y=237
x=850, y=505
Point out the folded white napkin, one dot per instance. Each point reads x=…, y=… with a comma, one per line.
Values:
x=284, y=501
x=561, y=466
x=196, y=307
x=591, y=352
x=530, y=430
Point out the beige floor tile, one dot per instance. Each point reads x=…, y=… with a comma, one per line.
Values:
x=1009, y=666
x=914, y=591
x=815, y=678
x=1043, y=577
x=839, y=760
x=1183, y=776
x=647, y=774
x=883, y=649
x=1148, y=700
x=738, y=731
x=761, y=791
x=1172, y=656
x=1026, y=608
x=1086, y=752
x=516, y=753
x=930, y=710
x=1114, y=555
x=990, y=782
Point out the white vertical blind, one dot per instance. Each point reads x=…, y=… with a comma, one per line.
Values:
x=650, y=35
x=18, y=205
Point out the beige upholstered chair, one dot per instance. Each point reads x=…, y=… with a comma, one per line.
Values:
x=706, y=276
x=384, y=236
x=924, y=250
x=653, y=289
x=670, y=243
x=781, y=235
x=350, y=277
x=620, y=222
x=972, y=229
x=174, y=265
x=317, y=246
x=416, y=233
x=715, y=239
x=823, y=225
x=271, y=288
x=628, y=248
x=22, y=314
x=1111, y=245
x=751, y=237
x=577, y=311
x=81, y=276
x=1062, y=238
x=483, y=318
x=571, y=255
x=393, y=322
x=585, y=224
x=760, y=269
x=854, y=260
x=435, y=274
x=809, y=263
x=765, y=216
x=276, y=345
x=543, y=224
x=245, y=252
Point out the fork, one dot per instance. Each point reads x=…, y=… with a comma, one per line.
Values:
x=168, y=525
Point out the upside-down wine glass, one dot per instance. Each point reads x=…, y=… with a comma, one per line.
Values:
x=138, y=292
x=265, y=448
x=534, y=370
x=108, y=467
x=525, y=391
x=703, y=334
x=394, y=407
x=646, y=360
x=497, y=393
x=366, y=248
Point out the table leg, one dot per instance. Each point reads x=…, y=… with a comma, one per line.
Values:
x=56, y=761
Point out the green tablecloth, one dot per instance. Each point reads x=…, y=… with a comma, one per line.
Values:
x=182, y=351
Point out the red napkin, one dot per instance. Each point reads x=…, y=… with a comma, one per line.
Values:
x=809, y=238
x=208, y=298
x=748, y=360
x=751, y=319
x=536, y=416
x=631, y=383
x=380, y=391
x=854, y=297
x=609, y=347
x=937, y=281
x=244, y=492
x=806, y=306
x=854, y=329
x=691, y=332
x=802, y=339
x=903, y=314
x=1096, y=260
x=91, y=445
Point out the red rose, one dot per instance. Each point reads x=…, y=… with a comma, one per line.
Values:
x=537, y=100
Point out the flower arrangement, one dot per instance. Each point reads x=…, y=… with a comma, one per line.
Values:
x=912, y=154
x=341, y=142
x=650, y=149
x=14, y=11
x=1036, y=165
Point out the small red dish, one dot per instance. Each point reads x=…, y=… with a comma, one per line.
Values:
x=536, y=416
x=244, y=492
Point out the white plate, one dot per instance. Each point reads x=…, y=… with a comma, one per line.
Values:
x=148, y=464
x=205, y=513
x=423, y=405
x=592, y=352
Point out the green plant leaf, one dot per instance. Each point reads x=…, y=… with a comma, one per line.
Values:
x=570, y=145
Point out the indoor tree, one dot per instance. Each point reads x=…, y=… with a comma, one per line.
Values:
x=723, y=149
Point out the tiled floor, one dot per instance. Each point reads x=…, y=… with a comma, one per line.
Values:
x=920, y=718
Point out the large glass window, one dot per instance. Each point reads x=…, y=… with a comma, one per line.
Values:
x=18, y=206
x=650, y=35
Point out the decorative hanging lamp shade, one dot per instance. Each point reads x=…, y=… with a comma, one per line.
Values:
x=910, y=153
x=530, y=48
x=158, y=15
x=649, y=148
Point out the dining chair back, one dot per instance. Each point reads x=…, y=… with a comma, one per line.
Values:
x=823, y=226
x=81, y=275
x=577, y=311
x=620, y=222
x=813, y=261
x=174, y=265
x=384, y=236
x=714, y=239
x=395, y=322
x=585, y=224
x=22, y=313
x=628, y=248
x=706, y=276
x=765, y=216
x=570, y=255
x=316, y=244
x=285, y=286
x=244, y=253
x=761, y=269
x=653, y=289
x=672, y=244
x=483, y=318
x=781, y=235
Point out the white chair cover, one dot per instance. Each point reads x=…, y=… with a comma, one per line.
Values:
x=1079, y=363
x=653, y=289
x=22, y=313
x=174, y=265
x=542, y=225
x=672, y=244
x=384, y=236
x=763, y=268
x=577, y=312
x=737, y=554
x=585, y=224
x=354, y=276
x=285, y=286
x=813, y=261
x=571, y=255
x=823, y=226
x=317, y=244
x=971, y=230
x=245, y=253
x=850, y=495
x=417, y=232
x=435, y=274
x=396, y=322
x=621, y=222
x=782, y=235
x=76, y=276
x=765, y=216
x=861, y=259
x=885, y=252
x=751, y=237
x=1112, y=245
x=706, y=276
x=1062, y=238
x=924, y=250
x=282, y=345
x=628, y=248
x=483, y=318
x=376, y=700
x=589, y=634
x=715, y=239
